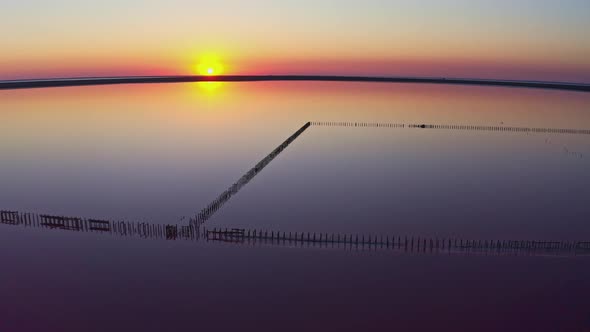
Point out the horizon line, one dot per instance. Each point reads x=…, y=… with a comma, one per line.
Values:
x=87, y=81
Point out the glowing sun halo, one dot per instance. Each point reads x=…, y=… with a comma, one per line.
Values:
x=210, y=66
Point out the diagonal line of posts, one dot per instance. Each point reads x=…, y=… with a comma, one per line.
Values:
x=216, y=204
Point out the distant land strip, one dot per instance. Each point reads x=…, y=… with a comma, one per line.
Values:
x=216, y=204
x=81, y=81
x=452, y=127
x=401, y=244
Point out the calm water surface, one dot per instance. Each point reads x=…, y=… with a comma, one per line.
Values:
x=160, y=154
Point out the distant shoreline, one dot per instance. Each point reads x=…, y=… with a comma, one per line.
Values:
x=84, y=81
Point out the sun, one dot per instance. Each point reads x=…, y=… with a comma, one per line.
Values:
x=209, y=65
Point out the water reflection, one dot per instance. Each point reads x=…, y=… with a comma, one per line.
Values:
x=155, y=153
x=209, y=87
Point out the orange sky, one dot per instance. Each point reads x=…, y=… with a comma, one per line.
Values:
x=523, y=39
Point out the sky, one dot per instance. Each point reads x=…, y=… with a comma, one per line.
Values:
x=510, y=39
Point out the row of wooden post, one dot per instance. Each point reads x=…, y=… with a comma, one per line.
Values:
x=455, y=127
x=503, y=128
x=190, y=232
x=122, y=228
x=214, y=206
x=357, y=124
x=392, y=241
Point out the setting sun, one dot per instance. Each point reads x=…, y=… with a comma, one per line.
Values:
x=210, y=65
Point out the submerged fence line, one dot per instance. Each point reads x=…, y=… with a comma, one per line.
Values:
x=404, y=243
x=88, y=225
x=357, y=124
x=192, y=231
x=503, y=129
x=214, y=206
x=218, y=203
x=451, y=127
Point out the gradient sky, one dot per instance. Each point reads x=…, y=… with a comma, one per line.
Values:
x=519, y=39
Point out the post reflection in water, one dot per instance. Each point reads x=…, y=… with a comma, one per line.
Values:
x=402, y=244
